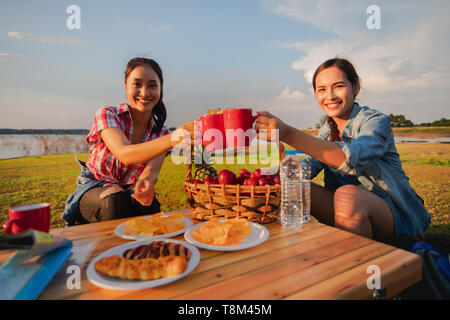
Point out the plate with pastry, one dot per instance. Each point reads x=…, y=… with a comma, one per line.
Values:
x=143, y=264
x=155, y=226
x=227, y=234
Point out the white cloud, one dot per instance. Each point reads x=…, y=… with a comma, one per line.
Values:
x=404, y=61
x=287, y=94
x=41, y=38
x=6, y=57
x=293, y=107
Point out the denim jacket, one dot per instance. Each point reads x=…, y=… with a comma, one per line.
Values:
x=371, y=156
x=85, y=182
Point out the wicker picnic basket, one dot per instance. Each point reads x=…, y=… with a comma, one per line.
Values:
x=256, y=203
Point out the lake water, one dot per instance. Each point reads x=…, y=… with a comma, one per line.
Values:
x=25, y=145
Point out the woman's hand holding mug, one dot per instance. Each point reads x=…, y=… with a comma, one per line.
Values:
x=183, y=136
x=266, y=125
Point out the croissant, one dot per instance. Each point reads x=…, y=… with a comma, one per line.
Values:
x=157, y=249
x=142, y=269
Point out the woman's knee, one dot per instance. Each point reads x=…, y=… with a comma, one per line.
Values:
x=348, y=209
x=115, y=206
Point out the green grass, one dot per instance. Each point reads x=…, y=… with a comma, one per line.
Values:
x=435, y=162
x=437, y=130
x=52, y=178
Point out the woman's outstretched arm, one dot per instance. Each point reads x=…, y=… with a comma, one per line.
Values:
x=129, y=153
x=324, y=151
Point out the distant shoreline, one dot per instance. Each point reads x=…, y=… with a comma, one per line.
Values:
x=412, y=132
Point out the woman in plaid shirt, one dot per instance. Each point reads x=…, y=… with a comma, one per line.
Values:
x=128, y=145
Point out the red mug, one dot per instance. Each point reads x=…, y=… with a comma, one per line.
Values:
x=238, y=125
x=213, y=139
x=31, y=216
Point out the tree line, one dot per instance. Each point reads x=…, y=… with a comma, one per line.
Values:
x=400, y=120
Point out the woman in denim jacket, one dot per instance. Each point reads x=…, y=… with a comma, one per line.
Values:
x=365, y=188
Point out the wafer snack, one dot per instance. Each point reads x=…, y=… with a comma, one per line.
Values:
x=157, y=249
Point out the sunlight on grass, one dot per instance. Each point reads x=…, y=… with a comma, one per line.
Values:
x=52, y=178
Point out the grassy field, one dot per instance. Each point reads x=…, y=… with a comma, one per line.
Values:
x=52, y=178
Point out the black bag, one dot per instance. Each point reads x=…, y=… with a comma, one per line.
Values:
x=434, y=250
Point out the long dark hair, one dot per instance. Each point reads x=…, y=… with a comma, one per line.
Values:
x=349, y=70
x=159, y=112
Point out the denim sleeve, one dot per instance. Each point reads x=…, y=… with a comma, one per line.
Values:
x=316, y=165
x=370, y=144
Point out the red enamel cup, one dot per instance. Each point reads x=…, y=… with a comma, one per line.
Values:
x=213, y=132
x=31, y=216
x=238, y=125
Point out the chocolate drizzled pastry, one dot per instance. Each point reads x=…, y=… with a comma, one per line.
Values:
x=157, y=249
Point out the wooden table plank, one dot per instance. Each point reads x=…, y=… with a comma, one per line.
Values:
x=316, y=262
x=211, y=264
x=313, y=273
x=398, y=269
x=267, y=272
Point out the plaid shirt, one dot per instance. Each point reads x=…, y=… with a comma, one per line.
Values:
x=102, y=163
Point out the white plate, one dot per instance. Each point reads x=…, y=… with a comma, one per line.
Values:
x=108, y=282
x=121, y=227
x=259, y=235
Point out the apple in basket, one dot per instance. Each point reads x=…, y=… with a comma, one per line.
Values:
x=240, y=180
x=227, y=177
x=251, y=182
x=262, y=181
x=244, y=173
x=256, y=174
x=276, y=180
x=211, y=180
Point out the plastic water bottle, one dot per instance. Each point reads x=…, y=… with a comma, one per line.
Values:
x=306, y=191
x=291, y=197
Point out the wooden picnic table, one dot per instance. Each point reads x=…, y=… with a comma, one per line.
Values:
x=315, y=262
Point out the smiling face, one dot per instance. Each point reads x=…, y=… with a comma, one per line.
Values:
x=334, y=93
x=143, y=88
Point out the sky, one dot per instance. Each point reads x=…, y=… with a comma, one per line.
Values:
x=258, y=54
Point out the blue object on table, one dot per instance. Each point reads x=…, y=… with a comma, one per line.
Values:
x=38, y=258
x=50, y=263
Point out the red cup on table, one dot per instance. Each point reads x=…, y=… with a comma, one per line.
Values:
x=213, y=132
x=31, y=216
x=238, y=125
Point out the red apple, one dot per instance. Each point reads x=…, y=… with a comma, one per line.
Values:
x=276, y=180
x=245, y=175
x=242, y=171
x=252, y=182
x=227, y=177
x=256, y=174
x=209, y=180
x=197, y=181
x=262, y=181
